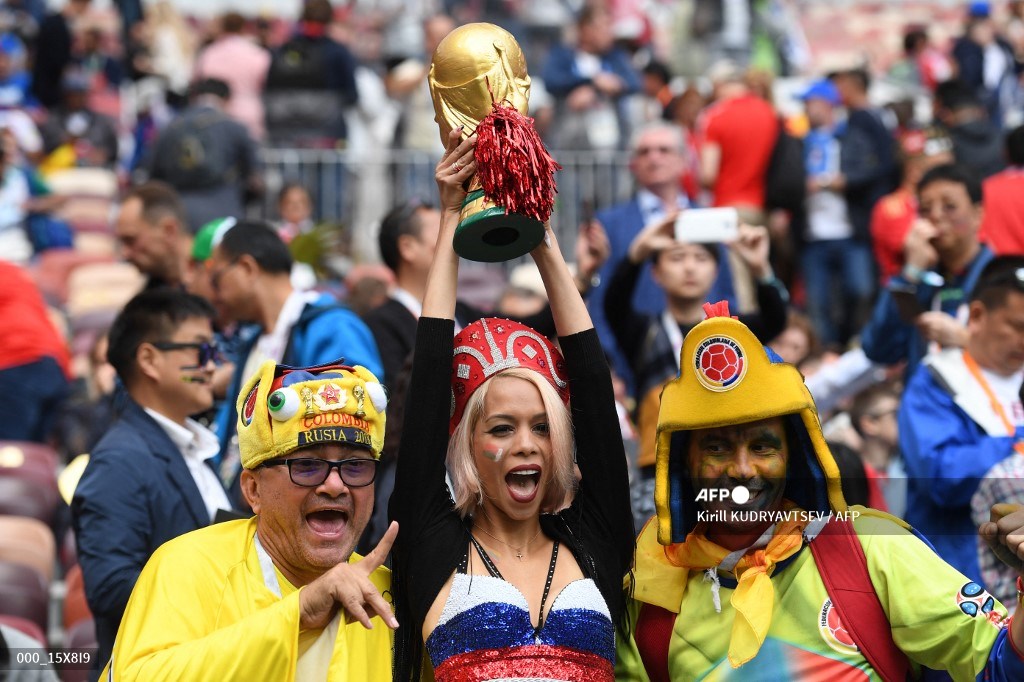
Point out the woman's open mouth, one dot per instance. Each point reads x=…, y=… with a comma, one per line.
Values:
x=523, y=483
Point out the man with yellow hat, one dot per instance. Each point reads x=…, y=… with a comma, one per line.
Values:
x=280, y=596
x=755, y=568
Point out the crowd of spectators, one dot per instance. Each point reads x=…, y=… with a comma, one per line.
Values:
x=135, y=137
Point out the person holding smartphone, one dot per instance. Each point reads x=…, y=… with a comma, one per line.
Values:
x=686, y=272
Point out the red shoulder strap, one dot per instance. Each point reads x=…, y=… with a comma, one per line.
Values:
x=844, y=570
x=652, y=636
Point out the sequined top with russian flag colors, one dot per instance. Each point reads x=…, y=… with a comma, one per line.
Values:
x=485, y=633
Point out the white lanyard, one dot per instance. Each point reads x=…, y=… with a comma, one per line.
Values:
x=267, y=567
x=675, y=335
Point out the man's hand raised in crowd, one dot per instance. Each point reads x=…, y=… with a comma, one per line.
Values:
x=918, y=251
x=752, y=246
x=657, y=236
x=592, y=250
x=348, y=586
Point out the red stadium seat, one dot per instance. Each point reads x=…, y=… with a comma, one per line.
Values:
x=27, y=541
x=76, y=608
x=24, y=593
x=24, y=626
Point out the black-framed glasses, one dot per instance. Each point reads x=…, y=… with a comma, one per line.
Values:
x=310, y=472
x=208, y=350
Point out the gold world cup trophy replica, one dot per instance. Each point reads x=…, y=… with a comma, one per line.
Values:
x=478, y=80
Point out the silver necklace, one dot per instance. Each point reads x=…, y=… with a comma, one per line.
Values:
x=518, y=550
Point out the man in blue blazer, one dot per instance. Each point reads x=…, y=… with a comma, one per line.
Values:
x=658, y=161
x=147, y=480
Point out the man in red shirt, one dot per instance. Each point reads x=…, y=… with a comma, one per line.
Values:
x=34, y=360
x=1002, y=227
x=737, y=134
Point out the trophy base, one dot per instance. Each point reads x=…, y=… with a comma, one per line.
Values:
x=487, y=234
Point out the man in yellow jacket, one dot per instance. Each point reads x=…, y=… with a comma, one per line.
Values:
x=280, y=596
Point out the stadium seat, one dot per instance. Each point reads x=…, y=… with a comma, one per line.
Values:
x=28, y=480
x=76, y=608
x=67, y=552
x=81, y=636
x=24, y=497
x=29, y=542
x=24, y=593
x=24, y=626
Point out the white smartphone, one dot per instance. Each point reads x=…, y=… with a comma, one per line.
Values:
x=707, y=225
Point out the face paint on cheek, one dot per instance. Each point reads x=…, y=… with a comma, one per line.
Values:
x=494, y=455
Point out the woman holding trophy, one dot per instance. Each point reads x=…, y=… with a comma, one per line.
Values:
x=519, y=573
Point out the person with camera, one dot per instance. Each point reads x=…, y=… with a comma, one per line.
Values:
x=686, y=273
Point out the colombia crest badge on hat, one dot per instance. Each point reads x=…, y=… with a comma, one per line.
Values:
x=720, y=363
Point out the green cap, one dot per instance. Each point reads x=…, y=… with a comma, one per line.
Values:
x=209, y=236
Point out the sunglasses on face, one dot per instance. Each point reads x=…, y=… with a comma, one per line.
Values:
x=208, y=350
x=310, y=472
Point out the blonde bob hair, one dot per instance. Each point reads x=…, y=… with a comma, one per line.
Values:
x=559, y=471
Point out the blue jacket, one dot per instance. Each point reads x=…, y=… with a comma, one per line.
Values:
x=947, y=454
x=136, y=494
x=887, y=339
x=325, y=331
x=623, y=223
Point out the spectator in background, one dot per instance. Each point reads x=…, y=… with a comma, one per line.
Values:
x=961, y=414
x=235, y=59
x=250, y=275
x=406, y=83
x=873, y=416
x=977, y=141
x=685, y=272
x=867, y=159
x=207, y=156
x=925, y=306
x=15, y=82
x=657, y=161
x=655, y=94
x=73, y=131
x=148, y=480
x=34, y=360
x=53, y=51
x=154, y=235
x=15, y=195
x=93, y=58
x=923, y=66
x=591, y=82
x=295, y=207
x=684, y=110
x=894, y=214
x=172, y=47
x=1002, y=226
x=310, y=84
x=797, y=342
x=832, y=253
x=737, y=134
x=985, y=61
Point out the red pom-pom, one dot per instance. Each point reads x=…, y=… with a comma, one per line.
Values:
x=720, y=309
x=515, y=169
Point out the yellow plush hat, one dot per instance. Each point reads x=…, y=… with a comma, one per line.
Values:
x=283, y=408
x=727, y=377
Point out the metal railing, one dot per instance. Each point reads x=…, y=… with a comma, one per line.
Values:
x=356, y=189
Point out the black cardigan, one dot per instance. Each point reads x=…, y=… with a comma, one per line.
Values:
x=432, y=540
